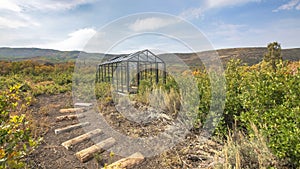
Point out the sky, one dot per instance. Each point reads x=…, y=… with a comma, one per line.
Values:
x=71, y=24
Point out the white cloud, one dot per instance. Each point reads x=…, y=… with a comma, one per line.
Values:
x=10, y=5
x=76, y=40
x=17, y=20
x=14, y=13
x=192, y=13
x=210, y=4
x=21, y=5
x=288, y=6
x=223, y=3
x=7, y=23
x=150, y=24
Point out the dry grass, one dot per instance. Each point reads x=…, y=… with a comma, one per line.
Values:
x=241, y=151
x=169, y=101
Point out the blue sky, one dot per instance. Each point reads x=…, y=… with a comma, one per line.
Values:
x=69, y=24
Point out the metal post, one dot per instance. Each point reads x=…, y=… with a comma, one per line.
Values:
x=164, y=73
x=112, y=71
x=117, y=76
x=102, y=73
x=151, y=72
x=97, y=74
x=127, y=77
x=156, y=73
x=99, y=77
x=138, y=74
x=122, y=82
x=108, y=73
x=104, y=67
x=146, y=66
x=143, y=72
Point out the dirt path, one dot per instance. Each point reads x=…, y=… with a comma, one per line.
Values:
x=192, y=153
x=50, y=154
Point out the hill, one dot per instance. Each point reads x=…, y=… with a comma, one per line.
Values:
x=42, y=55
x=247, y=55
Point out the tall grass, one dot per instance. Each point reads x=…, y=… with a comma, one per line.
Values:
x=243, y=151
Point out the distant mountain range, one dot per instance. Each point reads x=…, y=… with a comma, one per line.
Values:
x=43, y=55
x=247, y=55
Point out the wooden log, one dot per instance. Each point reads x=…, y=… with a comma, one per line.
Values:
x=71, y=127
x=72, y=110
x=127, y=162
x=86, y=154
x=81, y=138
x=83, y=104
x=70, y=117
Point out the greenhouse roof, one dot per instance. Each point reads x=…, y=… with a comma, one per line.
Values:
x=140, y=56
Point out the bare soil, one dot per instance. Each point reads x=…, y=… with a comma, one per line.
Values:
x=191, y=153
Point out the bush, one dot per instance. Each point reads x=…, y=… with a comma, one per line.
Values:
x=16, y=141
x=40, y=78
x=257, y=94
x=272, y=101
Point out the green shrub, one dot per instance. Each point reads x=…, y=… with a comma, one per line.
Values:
x=257, y=94
x=102, y=90
x=272, y=101
x=15, y=136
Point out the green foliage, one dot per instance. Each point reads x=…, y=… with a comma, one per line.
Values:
x=15, y=139
x=18, y=82
x=102, y=91
x=204, y=94
x=170, y=84
x=144, y=87
x=255, y=96
x=272, y=102
x=268, y=99
x=36, y=77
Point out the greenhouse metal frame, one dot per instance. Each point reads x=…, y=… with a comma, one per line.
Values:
x=125, y=72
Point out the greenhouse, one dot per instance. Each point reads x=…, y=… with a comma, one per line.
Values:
x=125, y=72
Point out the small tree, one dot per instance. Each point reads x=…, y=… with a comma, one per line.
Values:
x=273, y=56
